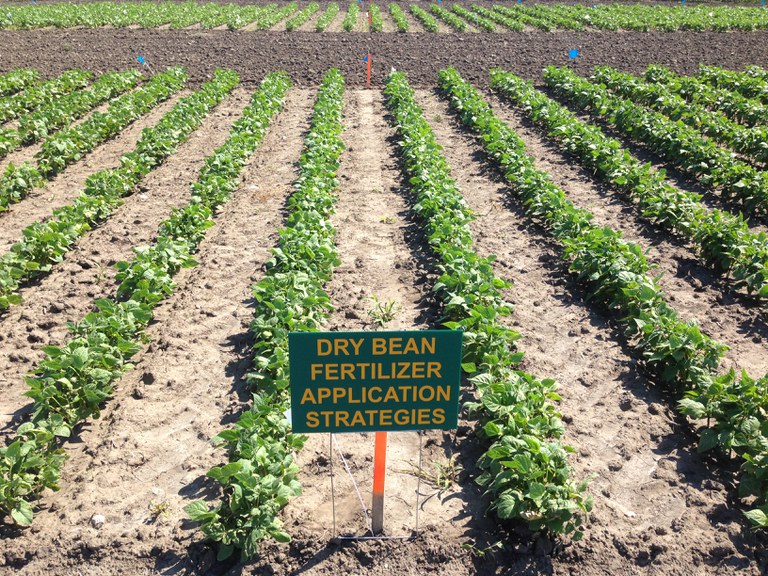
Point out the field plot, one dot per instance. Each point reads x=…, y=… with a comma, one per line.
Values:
x=601, y=241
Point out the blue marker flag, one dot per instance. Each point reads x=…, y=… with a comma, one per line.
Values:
x=141, y=60
x=573, y=54
x=762, y=2
x=366, y=58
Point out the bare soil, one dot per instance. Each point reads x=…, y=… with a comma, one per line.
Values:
x=307, y=55
x=661, y=509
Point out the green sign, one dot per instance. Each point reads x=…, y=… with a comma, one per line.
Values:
x=374, y=381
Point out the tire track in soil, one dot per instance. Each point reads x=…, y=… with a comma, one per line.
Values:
x=693, y=290
x=373, y=239
x=659, y=507
x=87, y=271
x=68, y=184
x=152, y=444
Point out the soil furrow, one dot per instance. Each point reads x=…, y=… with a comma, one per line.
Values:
x=383, y=252
x=656, y=500
x=376, y=261
x=67, y=185
x=87, y=271
x=146, y=457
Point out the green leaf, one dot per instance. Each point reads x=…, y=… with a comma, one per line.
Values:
x=506, y=506
x=709, y=439
x=23, y=513
x=198, y=511
x=80, y=357
x=281, y=536
x=757, y=517
x=225, y=551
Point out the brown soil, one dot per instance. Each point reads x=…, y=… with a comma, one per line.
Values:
x=307, y=55
x=661, y=509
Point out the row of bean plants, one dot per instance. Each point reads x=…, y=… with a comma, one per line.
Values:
x=73, y=381
x=677, y=143
x=268, y=18
x=424, y=17
x=16, y=80
x=46, y=242
x=377, y=22
x=525, y=468
x=738, y=108
x=616, y=273
x=495, y=16
x=554, y=16
x=302, y=16
x=398, y=16
x=211, y=15
x=524, y=18
x=20, y=103
x=63, y=111
x=327, y=17
x=69, y=145
x=748, y=141
x=351, y=17
x=260, y=477
x=740, y=82
x=640, y=17
x=474, y=18
x=448, y=17
x=724, y=241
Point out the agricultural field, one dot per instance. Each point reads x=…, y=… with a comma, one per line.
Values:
x=582, y=190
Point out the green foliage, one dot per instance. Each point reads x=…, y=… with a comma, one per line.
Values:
x=327, y=17
x=674, y=141
x=377, y=24
x=63, y=111
x=510, y=21
x=45, y=242
x=474, y=17
x=543, y=16
x=426, y=19
x=513, y=404
x=448, y=17
x=36, y=95
x=302, y=16
x=261, y=474
x=616, y=273
x=739, y=108
x=351, y=18
x=17, y=80
x=401, y=22
x=725, y=241
x=749, y=85
x=523, y=17
x=751, y=142
x=68, y=146
x=71, y=382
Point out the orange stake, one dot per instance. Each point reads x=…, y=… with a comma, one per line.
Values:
x=368, y=72
x=379, y=471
